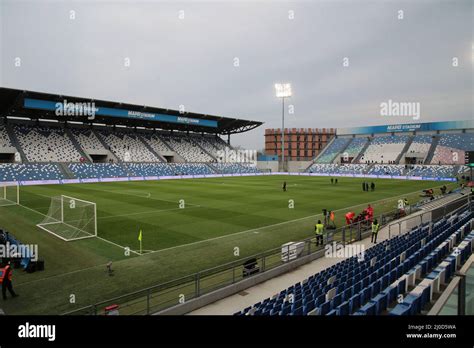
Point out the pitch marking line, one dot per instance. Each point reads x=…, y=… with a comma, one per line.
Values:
x=155, y=251
x=149, y=197
x=146, y=212
x=256, y=230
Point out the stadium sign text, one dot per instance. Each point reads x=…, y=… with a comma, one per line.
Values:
x=90, y=110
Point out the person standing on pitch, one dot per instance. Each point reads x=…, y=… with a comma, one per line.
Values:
x=336, y=181
x=375, y=231
x=6, y=280
x=363, y=186
x=332, y=181
x=372, y=186
x=284, y=186
x=319, y=229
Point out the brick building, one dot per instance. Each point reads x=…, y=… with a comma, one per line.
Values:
x=301, y=144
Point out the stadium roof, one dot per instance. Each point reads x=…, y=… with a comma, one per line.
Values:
x=38, y=106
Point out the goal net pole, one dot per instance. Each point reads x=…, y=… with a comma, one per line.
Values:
x=10, y=194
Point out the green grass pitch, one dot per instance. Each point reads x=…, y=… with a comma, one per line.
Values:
x=251, y=213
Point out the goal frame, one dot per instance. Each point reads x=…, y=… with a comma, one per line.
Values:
x=42, y=225
x=3, y=193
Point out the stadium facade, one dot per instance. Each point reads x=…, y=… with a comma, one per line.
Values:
x=301, y=144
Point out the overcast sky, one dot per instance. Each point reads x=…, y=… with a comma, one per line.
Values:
x=191, y=61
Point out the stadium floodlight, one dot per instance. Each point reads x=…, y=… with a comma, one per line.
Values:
x=283, y=90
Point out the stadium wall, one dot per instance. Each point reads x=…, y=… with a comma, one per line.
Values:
x=145, y=178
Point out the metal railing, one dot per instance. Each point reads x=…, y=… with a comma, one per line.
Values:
x=178, y=291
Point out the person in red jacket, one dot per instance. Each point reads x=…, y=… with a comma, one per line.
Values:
x=6, y=280
x=349, y=217
x=370, y=213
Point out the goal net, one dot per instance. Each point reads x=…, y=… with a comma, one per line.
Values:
x=9, y=194
x=70, y=218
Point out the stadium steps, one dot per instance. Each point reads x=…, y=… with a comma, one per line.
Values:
x=223, y=142
x=15, y=142
x=67, y=173
x=161, y=158
x=405, y=149
x=107, y=147
x=368, y=168
x=431, y=151
x=214, y=170
x=203, y=149
x=176, y=154
x=342, y=151
x=77, y=145
x=361, y=153
x=322, y=152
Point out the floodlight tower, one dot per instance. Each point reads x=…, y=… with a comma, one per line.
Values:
x=283, y=90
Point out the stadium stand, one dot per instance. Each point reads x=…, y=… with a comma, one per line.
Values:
x=189, y=151
x=337, y=168
x=208, y=144
x=356, y=146
x=420, y=144
x=384, y=149
x=231, y=168
x=389, y=269
x=30, y=171
x=451, y=148
x=97, y=170
x=87, y=139
x=127, y=147
x=381, y=169
x=432, y=171
x=155, y=143
x=4, y=138
x=168, y=169
x=332, y=150
x=46, y=144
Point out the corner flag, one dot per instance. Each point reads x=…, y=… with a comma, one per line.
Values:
x=140, y=239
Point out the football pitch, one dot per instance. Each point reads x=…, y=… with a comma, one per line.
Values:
x=187, y=226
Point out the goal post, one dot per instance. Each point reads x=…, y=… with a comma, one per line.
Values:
x=9, y=194
x=70, y=218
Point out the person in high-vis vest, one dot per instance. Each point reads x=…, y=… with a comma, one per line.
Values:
x=375, y=230
x=319, y=229
x=6, y=280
